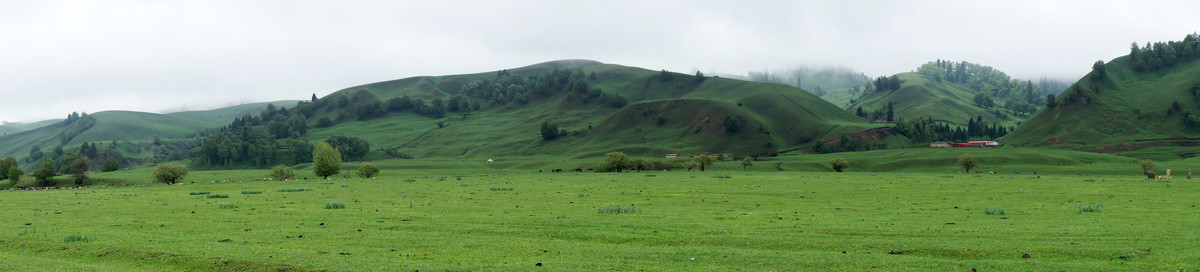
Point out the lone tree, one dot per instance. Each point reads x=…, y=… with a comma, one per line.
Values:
x=282, y=172
x=45, y=174
x=169, y=173
x=326, y=160
x=14, y=174
x=747, y=162
x=368, y=171
x=110, y=164
x=839, y=164
x=704, y=161
x=549, y=131
x=967, y=162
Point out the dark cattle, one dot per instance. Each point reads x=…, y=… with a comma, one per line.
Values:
x=577, y=170
x=558, y=170
x=589, y=169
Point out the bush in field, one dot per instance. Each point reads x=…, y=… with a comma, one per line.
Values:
x=335, y=205
x=326, y=160
x=169, y=173
x=615, y=162
x=1148, y=165
x=368, y=171
x=748, y=162
x=282, y=172
x=967, y=162
x=1090, y=207
x=110, y=164
x=839, y=164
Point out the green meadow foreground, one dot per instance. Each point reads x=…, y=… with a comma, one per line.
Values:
x=715, y=221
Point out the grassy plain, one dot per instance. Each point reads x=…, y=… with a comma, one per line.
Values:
x=482, y=219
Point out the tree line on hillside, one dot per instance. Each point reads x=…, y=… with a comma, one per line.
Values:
x=987, y=80
x=925, y=130
x=1159, y=55
x=274, y=136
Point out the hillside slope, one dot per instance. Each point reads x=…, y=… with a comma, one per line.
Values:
x=666, y=113
x=9, y=128
x=124, y=126
x=1122, y=110
x=921, y=96
x=952, y=92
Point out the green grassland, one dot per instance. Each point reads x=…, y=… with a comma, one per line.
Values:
x=1124, y=108
x=127, y=126
x=921, y=96
x=716, y=220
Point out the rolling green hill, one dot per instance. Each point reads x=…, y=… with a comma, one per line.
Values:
x=948, y=92
x=1124, y=105
x=838, y=85
x=666, y=113
x=10, y=128
x=123, y=126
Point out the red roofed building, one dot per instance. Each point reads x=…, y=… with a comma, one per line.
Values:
x=983, y=144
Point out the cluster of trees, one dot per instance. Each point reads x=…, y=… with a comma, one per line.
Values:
x=10, y=170
x=1189, y=120
x=845, y=144
x=925, y=130
x=887, y=83
x=983, y=100
x=252, y=140
x=75, y=124
x=985, y=79
x=888, y=113
x=351, y=148
x=618, y=162
x=1159, y=55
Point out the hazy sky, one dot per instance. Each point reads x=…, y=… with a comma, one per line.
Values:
x=159, y=56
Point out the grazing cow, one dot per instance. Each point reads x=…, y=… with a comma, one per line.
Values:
x=577, y=170
x=558, y=170
x=1189, y=173
x=1150, y=174
x=589, y=169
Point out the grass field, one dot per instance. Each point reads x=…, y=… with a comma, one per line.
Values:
x=717, y=220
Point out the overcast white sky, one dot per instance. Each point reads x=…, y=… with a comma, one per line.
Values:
x=57, y=57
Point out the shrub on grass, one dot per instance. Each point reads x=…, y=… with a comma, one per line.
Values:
x=290, y=190
x=1090, y=207
x=251, y=192
x=1148, y=165
x=282, y=173
x=617, y=209
x=226, y=205
x=995, y=211
x=368, y=171
x=198, y=193
x=76, y=238
x=502, y=188
x=217, y=196
x=169, y=173
x=335, y=205
x=839, y=164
